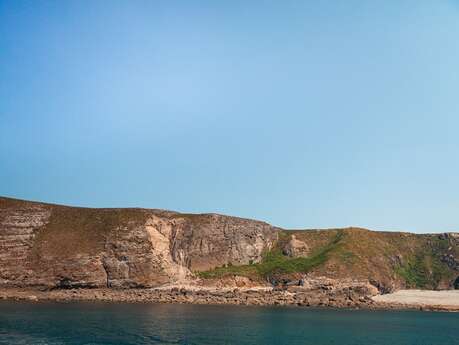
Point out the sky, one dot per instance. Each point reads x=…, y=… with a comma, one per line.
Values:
x=304, y=114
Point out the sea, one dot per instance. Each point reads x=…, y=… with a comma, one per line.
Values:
x=124, y=323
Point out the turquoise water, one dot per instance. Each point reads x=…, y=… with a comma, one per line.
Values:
x=98, y=323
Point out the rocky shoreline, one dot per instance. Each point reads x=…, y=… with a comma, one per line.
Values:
x=256, y=297
x=60, y=253
x=192, y=296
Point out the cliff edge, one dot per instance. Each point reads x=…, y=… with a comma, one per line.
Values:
x=60, y=247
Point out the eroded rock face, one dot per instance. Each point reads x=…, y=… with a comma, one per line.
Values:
x=450, y=256
x=296, y=248
x=132, y=258
x=207, y=241
x=64, y=247
x=18, y=227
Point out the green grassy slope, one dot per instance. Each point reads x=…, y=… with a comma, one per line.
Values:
x=390, y=258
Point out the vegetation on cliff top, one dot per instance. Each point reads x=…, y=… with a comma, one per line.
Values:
x=411, y=260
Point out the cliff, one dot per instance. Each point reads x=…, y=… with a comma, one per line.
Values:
x=58, y=246
x=52, y=246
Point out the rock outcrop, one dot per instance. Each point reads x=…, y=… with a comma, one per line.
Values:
x=60, y=247
x=65, y=247
x=296, y=248
x=18, y=228
x=318, y=292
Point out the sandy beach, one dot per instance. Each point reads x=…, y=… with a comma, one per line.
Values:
x=447, y=298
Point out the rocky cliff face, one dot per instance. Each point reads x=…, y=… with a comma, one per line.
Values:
x=18, y=228
x=62, y=247
x=53, y=246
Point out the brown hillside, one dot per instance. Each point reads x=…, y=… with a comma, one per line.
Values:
x=59, y=246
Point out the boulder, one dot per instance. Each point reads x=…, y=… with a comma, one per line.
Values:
x=296, y=248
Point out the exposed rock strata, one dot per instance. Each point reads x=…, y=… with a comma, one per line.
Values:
x=64, y=247
x=58, y=247
x=18, y=228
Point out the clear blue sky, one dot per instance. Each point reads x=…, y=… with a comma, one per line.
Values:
x=300, y=113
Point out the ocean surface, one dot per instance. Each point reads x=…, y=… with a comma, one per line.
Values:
x=99, y=323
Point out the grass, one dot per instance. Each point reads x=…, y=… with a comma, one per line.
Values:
x=355, y=253
x=275, y=262
x=72, y=231
x=414, y=272
x=423, y=271
x=348, y=257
